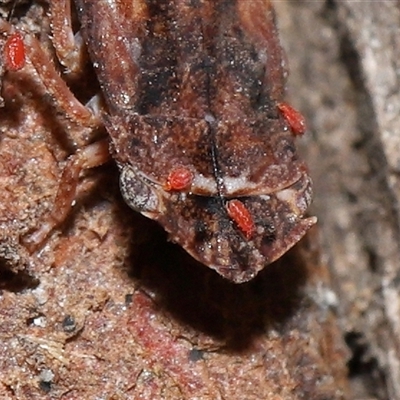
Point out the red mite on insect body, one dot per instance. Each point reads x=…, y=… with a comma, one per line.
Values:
x=242, y=217
x=294, y=119
x=179, y=179
x=197, y=123
x=14, y=52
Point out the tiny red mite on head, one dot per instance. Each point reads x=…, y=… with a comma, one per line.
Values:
x=178, y=179
x=238, y=212
x=14, y=52
x=294, y=119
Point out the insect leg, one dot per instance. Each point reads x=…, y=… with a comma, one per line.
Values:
x=87, y=157
x=63, y=99
x=69, y=46
x=87, y=117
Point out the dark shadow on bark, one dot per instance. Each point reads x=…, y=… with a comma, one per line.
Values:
x=199, y=297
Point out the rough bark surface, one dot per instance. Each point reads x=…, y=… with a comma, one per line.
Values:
x=345, y=78
x=109, y=308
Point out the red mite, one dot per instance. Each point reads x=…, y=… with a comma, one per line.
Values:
x=242, y=217
x=179, y=178
x=14, y=52
x=294, y=119
x=188, y=88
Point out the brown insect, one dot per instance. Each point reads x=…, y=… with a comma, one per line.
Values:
x=198, y=127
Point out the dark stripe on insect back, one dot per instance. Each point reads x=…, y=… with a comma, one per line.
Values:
x=210, y=28
x=174, y=61
x=239, y=58
x=158, y=57
x=196, y=31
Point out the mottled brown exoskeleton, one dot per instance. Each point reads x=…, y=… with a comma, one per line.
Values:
x=194, y=110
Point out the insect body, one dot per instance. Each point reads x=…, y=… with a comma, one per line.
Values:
x=198, y=85
x=204, y=143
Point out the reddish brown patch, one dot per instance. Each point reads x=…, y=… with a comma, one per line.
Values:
x=179, y=178
x=238, y=212
x=14, y=52
x=294, y=119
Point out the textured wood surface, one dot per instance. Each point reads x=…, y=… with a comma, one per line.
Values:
x=108, y=307
x=345, y=78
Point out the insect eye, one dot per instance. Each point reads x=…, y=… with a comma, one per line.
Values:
x=137, y=193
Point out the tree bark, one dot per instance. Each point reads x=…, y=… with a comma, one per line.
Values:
x=345, y=77
x=109, y=307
